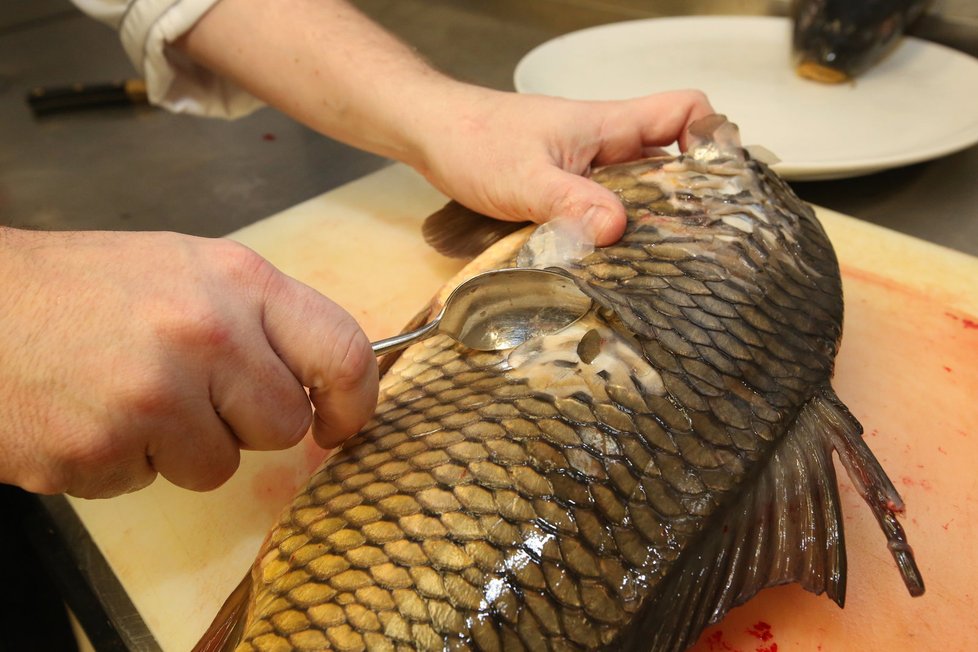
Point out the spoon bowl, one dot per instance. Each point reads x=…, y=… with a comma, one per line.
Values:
x=501, y=309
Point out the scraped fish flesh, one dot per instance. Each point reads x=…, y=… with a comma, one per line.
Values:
x=619, y=485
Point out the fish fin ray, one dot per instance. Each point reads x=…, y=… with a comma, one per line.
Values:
x=458, y=232
x=872, y=483
x=786, y=527
x=225, y=632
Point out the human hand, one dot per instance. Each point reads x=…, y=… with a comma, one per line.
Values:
x=128, y=355
x=521, y=157
x=507, y=155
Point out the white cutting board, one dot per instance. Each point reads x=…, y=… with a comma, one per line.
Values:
x=907, y=370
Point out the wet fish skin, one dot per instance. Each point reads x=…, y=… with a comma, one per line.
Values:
x=619, y=485
x=836, y=40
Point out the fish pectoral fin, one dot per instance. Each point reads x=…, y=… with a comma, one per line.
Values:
x=458, y=232
x=873, y=485
x=228, y=626
x=785, y=526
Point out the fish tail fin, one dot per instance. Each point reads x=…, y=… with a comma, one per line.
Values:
x=225, y=632
x=872, y=483
x=786, y=526
x=458, y=232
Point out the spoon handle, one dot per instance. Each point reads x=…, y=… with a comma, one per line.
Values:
x=398, y=342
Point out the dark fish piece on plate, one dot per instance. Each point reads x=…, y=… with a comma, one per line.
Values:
x=621, y=484
x=836, y=40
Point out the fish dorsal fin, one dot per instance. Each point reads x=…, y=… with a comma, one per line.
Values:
x=786, y=527
x=458, y=232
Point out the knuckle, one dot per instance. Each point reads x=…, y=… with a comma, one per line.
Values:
x=209, y=315
x=691, y=95
x=698, y=100
x=218, y=471
x=199, y=325
x=207, y=329
x=242, y=264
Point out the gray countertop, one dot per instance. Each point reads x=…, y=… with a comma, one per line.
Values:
x=140, y=168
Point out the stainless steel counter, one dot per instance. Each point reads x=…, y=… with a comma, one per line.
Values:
x=142, y=168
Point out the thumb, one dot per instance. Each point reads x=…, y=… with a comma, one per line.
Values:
x=328, y=352
x=575, y=197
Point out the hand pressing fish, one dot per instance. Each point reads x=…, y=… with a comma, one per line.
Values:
x=835, y=40
x=621, y=484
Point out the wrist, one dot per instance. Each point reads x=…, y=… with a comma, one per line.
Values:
x=11, y=280
x=444, y=119
x=15, y=426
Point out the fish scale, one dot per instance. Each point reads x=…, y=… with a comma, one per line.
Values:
x=539, y=498
x=505, y=493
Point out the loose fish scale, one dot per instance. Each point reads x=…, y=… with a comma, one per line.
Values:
x=479, y=513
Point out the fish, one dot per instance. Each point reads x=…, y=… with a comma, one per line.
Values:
x=619, y=485
x=834, y=41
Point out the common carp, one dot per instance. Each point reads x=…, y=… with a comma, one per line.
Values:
x=835, y=40
x=618, y=485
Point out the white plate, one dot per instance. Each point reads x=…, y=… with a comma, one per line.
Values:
x=919, y=103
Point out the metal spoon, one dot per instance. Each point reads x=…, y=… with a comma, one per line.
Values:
x=501, y=309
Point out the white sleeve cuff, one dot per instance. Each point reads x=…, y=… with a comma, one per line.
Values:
x=173, y=81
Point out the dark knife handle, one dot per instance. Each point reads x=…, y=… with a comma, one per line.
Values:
x=53, y=99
